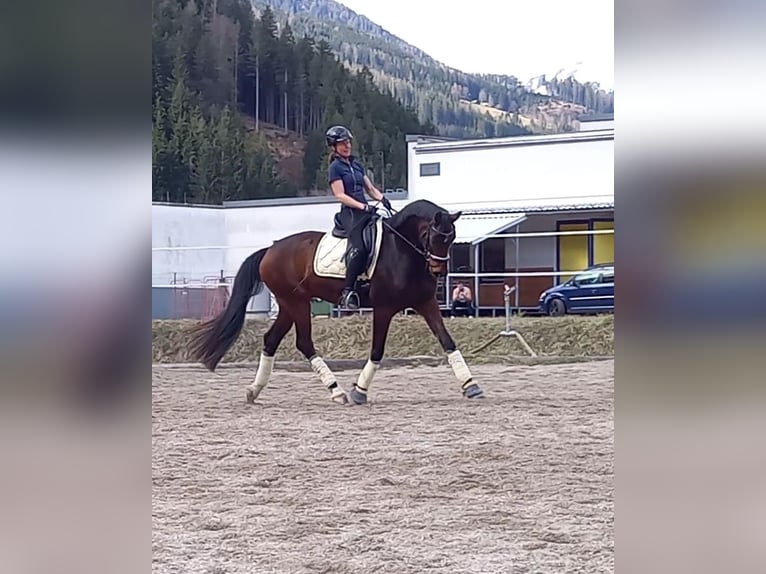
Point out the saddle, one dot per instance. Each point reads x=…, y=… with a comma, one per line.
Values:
x=332, y=251
x=369, y=232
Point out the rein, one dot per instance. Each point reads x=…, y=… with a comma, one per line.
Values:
x=426, y=253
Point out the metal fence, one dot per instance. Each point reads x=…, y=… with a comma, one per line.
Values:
x=203, y=298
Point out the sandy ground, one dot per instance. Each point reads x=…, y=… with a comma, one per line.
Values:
x=420, y=480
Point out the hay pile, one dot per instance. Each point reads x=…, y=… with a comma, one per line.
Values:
x=350, y=338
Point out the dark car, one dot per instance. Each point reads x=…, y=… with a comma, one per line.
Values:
x=590, y=291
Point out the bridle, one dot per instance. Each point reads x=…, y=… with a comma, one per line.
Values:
x=448, y=238
x=426, y=251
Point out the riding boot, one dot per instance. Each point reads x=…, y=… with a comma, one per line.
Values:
x=354, y=267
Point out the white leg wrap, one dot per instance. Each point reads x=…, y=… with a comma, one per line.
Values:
x=459, y=367
x=262, y=376
x=324, y=372
x=365, y=377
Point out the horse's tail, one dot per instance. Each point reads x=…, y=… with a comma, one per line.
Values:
x=210, y=340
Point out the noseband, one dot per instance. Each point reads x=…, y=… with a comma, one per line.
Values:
x=448, y=236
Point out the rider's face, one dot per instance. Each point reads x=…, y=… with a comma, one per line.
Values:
x=343, y=148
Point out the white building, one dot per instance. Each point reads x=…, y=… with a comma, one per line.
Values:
x=593, y=122
x=531, y=184
x=196, y=245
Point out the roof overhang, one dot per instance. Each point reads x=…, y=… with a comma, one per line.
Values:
x=529, y=207
x=426, y=147
x=476, y=228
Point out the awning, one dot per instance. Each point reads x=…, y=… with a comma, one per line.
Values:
x=476, y=228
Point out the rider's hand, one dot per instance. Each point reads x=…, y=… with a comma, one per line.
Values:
x=369, y=208
x=386, y=203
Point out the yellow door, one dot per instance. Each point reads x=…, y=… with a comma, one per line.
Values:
x=603, y=243
x=573, y=250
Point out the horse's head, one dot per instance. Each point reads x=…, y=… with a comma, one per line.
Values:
x=436, y=237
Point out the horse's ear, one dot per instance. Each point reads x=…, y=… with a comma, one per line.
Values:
x=455, y=216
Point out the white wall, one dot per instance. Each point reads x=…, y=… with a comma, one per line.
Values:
x=514, y=176
x=598, y=125
x=239, y=230
x=184, y=226
x=249, y=229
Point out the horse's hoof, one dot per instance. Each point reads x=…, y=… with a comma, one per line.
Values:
x=356, y=397
x=473, y=392
x=339, y=396
x=251, y=396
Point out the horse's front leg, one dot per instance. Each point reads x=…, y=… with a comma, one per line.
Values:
x=431, y=313
x=381, y=321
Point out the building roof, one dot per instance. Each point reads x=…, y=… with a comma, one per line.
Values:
x=423, y=146
x=419, y=138
x=474, y=229
x=534, y=206
x=470, y=208
x=392, y=194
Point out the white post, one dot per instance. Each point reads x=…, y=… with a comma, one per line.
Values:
x=509, y=331
x=507, y=299
x=476, y=281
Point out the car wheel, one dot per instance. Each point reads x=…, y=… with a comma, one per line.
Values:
x=556, y=308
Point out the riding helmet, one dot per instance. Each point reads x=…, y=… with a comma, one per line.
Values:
x=337, y=134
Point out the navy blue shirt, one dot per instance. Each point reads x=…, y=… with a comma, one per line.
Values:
x=352, y=175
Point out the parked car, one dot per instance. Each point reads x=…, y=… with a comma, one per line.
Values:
x=590, y=291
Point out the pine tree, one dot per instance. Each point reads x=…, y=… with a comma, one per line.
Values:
x=202, y=176
x=160, y=185
x=225, y=63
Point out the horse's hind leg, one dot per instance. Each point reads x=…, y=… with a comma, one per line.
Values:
x=305, y=344
x=271, y=340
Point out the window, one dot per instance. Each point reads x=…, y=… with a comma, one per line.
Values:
x=577, y=252
x=589, y=277
x=429, y=169
x=493, y=255
x=460, y=258
x=572, y=249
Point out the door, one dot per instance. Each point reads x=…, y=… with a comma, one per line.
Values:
x=603, y=243
x=604, y=295
x=572, y=250
x=584, y=294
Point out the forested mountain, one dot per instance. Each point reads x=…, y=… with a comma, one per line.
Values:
x=214, y=64
x=241, y=99
x=568, y=89
x=457, y=103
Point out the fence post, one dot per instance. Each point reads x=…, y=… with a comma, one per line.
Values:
x=509, y=331
x=507, y=299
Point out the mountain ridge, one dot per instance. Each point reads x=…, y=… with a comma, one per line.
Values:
x=458, y=103
x=295, y=6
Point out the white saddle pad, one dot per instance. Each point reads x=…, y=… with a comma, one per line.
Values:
x=328, y=259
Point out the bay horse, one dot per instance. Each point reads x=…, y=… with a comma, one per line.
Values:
x=413, y=253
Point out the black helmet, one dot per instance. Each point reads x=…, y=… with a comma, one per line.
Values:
x=337, y=134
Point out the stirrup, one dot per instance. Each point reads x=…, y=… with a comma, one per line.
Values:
x=350, y=300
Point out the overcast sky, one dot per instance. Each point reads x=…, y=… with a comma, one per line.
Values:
x=521, y=38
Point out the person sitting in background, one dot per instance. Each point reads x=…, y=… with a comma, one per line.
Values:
x=462, y=300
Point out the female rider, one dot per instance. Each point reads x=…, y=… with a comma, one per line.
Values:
x=348, y=183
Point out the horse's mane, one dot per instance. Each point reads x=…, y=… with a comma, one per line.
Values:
x=420, y=209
